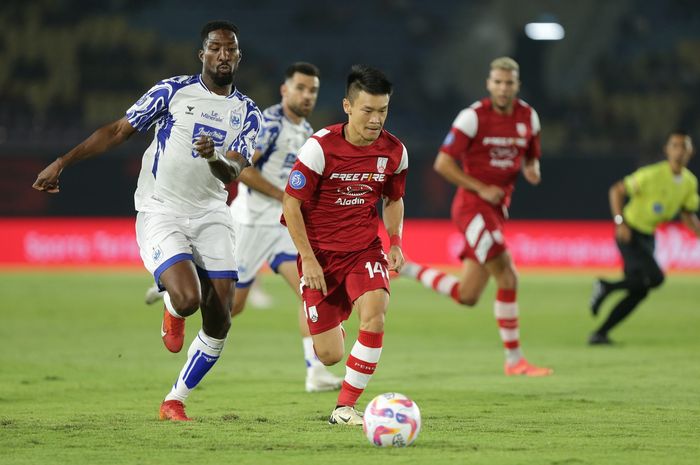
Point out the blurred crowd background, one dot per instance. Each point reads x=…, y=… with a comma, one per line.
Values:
x=625, y=74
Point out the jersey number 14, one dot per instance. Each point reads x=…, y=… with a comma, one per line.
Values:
x=376, y=269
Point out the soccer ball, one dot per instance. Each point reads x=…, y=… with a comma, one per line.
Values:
x=391, y=420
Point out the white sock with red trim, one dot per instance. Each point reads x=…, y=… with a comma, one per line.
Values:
x=360, y=366
x=505, y=308
x=434, y=279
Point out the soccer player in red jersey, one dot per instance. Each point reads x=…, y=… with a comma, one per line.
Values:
x=330, y=209
x=494, y=139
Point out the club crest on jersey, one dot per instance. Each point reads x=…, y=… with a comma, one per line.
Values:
x=202, y=130
x=235, y=119
x=521, y=128
x=381, y=164
x=297, y=180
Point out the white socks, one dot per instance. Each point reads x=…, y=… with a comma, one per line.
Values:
x=201, y=356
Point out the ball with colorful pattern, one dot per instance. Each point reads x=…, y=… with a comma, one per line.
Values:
x=391, y=420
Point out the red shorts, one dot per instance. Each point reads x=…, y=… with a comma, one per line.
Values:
x=348, y=275
x=482, y=227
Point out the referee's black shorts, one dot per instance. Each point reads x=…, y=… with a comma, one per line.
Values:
x=641, y=269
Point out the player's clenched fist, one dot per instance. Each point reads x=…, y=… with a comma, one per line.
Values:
x=204, y=147
x=47, y=180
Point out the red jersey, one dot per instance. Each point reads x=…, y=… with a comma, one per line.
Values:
x=340, y=184
x=491, y=147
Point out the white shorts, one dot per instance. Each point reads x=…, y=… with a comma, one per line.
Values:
x=208, y=241
x=257, y=244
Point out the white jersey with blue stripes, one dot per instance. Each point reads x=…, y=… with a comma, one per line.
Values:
x=279, y=142
x=174, y=179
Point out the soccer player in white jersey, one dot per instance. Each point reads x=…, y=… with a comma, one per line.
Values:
x=205, y=132
x=257, y=208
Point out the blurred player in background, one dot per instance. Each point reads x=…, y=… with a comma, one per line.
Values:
x=205, y=133
x=656, y=194
x=330, y=209
x=495, y=139
x=257, y=209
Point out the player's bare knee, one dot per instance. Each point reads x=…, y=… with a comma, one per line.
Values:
x=329, y=357
x=468, y=300
x=373, y=325
x=185, y=303
x=467, y=296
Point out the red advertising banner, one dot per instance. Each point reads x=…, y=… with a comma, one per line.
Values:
x=579, y=244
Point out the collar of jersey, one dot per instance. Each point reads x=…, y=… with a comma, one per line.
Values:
x=234, y=92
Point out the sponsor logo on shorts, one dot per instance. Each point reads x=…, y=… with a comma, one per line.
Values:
x=297, y=180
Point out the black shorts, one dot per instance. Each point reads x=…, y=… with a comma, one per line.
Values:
x=640, y=266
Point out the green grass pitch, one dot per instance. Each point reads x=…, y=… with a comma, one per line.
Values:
x=83, y=371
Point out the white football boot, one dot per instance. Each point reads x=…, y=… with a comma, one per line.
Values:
x=260, y=299
x=319, y=379
x=345, y=416
x=153, y=295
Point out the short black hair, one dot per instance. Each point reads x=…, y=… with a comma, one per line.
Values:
x=303, y=68
x=215, y=26
x=371, y=80
x=678, y=132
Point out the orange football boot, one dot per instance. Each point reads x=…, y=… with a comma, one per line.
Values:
x=173, y=410
x=173, y=332
x=525, y=368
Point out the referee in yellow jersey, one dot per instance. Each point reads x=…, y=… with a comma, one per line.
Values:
x=657, y=193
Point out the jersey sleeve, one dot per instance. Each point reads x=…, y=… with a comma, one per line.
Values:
x=269, y=133
x=692, y=202
x=245, y=141
x=534, y=150
x=395, y=187
x=151, y=106
x=636, y=182
x=463, y=130
x=307, y=170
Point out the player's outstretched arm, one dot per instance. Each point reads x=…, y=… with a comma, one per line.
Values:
x=392, y=214
x=531, y=171
x=448, y=168
x=252, y=178
x=311, y=270
x=103, y=139
x=691, y=221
